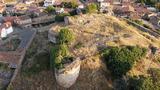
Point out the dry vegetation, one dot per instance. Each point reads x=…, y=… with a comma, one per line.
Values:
x=99, y=30
x=91, y=32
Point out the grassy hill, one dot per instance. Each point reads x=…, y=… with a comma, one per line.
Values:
x=92, y=32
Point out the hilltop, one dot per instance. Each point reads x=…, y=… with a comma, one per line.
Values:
x=92, y=32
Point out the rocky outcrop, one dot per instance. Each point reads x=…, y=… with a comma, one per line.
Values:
x=68, y=20
x=52, y=36
x=67, y=76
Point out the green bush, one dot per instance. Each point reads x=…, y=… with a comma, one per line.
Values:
x=121, y=60
x=60, y=17
x=72, y=4
x=91, y=8
x=65, y=36
x=141, y=83
x=139, y=22
x=58, y=53
x=50, y=9
x=155, y=74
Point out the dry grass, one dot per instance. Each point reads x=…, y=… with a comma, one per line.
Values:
x=91, y=31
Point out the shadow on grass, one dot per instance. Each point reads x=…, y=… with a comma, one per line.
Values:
x=40, y=63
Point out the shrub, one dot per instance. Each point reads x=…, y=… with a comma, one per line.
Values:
x=72, y=4
x=91, y=8
x=145, y=83
x=50, y=9
x=155, y=74
x=141, y=83
x=139, y=22
x=60, y=53
x=57, y=55
x=65, y=36
x=60, y=17
x=121, y=60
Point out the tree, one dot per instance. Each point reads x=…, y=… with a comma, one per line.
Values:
x=65, y=36
x=151, y=82
x=91, y=8
x=120, y=60
x=141, y=83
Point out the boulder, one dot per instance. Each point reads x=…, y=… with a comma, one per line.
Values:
x=67, y=76
x=68, y=20
x=52, y=36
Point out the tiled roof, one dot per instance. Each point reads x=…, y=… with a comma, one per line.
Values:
x=24, y=17
x=58, y=2
x=9, y=57
x=5, y=25
x=9, y=19
x=12, y=57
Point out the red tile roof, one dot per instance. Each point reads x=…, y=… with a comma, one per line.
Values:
x=9, y=19
x=9, y=57
x=12, y=57
x=5, y=25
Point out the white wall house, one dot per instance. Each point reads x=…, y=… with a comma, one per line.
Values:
x=5, y=29
x=48, y=3
x=29, y=2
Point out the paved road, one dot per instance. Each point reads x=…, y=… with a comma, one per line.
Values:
x=26, y=36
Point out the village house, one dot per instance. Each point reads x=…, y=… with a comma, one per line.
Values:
x=5, y=29
x=105, y=6
x=140, y=11
x=9, y=19
x=48, y=3
x=28, y=1
x=155, y=20
x=23, y=21
x=124, y=10
x=2, y=8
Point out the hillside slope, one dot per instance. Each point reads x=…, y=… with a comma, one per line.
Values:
x=92, y=31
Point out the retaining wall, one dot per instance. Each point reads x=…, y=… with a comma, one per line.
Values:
x=152, y=32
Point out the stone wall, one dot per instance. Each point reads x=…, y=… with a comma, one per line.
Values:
x=152, y=32
x=67, y=76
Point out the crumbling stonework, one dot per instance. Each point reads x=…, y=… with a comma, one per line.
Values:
x=52, y=36
x=67, y=76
